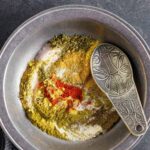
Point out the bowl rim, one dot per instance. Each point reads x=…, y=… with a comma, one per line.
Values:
x=5, y=127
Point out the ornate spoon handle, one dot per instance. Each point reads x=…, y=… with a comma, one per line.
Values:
x=130, y=110
x=112, y=71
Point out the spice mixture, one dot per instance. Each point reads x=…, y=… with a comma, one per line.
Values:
x=59, y=95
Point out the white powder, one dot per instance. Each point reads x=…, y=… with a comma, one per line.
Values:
x=46, y=52
x=81, y=132
x=60, y=72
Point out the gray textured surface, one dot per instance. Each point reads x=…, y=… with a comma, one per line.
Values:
x=136, y=12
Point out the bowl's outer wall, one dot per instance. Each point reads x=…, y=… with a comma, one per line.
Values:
x=23, y=46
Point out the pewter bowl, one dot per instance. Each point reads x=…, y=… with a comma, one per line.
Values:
x=25, y=42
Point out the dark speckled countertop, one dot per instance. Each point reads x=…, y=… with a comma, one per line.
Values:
x=14, y=12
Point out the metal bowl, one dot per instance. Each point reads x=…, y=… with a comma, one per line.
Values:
x=25, y=42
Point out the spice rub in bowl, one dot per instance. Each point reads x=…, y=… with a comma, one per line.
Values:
x=59, y=95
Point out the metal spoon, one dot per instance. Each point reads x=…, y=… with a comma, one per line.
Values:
x=112, y=71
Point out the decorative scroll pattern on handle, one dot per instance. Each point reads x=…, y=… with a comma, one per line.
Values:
x=130, y=110
x=112, y=72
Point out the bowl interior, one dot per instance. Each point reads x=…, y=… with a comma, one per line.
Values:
x=27, y=49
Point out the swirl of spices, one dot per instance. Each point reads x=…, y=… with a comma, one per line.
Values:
x=59, y=95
